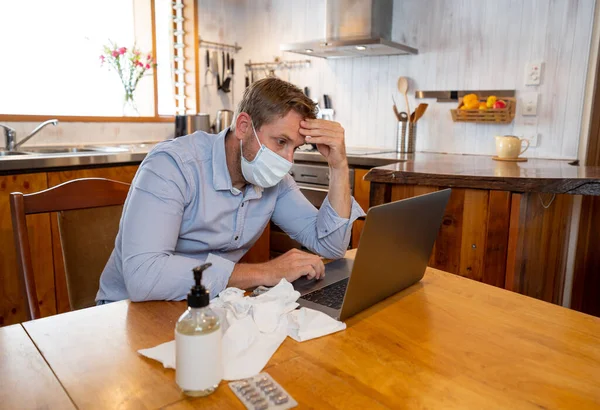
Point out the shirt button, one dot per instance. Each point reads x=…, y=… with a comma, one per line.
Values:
x=236, y=238
x=243, y=204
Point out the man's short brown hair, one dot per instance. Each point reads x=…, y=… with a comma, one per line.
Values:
x=271, y=98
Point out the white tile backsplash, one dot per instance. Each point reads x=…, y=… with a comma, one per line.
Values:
x=463, y=44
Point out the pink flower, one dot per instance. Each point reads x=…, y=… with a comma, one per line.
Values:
x=115, y=53
x=139, y=64
x=149, y=57
x=101, y=59
x=122, y=50
x=147, y=66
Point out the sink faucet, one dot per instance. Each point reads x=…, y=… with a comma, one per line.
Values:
x=11, y=135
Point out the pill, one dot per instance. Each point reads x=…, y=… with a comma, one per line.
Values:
x=279, y=398
x=261, y=405
x=253, y=396
x=247, y=389
x=269, y=389
x=242, y=384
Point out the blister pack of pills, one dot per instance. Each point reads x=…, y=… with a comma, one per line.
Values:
x=261, y=392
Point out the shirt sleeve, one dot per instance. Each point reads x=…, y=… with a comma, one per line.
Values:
x=322, y=231
x=150, y=229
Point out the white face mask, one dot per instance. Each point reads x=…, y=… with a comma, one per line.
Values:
x=266, y=169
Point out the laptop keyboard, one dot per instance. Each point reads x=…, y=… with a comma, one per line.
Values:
x=331, y=296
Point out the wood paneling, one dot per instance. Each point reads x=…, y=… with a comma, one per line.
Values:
x=11, y=303
x=585, y=295
x=261, y=250
x=463, y=44
x=473, y=238
x=357, y=228
x=27, y=381
x=362, y=188
x=122, y=174
x=496, y=241
x=536, y=263
x=362, y=194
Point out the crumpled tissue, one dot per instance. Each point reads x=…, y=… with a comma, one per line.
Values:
x=254, y=327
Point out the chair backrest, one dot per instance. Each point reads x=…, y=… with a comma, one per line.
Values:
x=80, y=204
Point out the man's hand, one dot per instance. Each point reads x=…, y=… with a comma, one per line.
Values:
x=292, y=265
x=329, y=137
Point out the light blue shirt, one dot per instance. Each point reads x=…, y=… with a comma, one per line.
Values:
x=182, y=211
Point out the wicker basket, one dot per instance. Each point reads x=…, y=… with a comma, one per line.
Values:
x=496, y=116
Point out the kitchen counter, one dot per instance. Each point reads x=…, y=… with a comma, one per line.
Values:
x=481, y=172
x=137, y=152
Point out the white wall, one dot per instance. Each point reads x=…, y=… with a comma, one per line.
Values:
x=463, y=44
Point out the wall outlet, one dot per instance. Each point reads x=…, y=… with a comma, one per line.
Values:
x=533, y=73
x=529, y=103
x=533, y=138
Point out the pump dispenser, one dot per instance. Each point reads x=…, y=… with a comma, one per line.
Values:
x=199, y=367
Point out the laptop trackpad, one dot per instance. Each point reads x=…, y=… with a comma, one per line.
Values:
x=334, y=272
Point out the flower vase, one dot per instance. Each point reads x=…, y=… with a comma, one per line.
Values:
x=129, y=105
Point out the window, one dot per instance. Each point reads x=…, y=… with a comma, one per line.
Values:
x=50, y=57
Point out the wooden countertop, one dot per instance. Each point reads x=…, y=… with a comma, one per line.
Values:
x=481, y=172
x=446, y=342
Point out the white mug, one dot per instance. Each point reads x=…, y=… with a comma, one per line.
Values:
x=509, y=146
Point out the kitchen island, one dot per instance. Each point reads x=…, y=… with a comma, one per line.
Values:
x=507, y=223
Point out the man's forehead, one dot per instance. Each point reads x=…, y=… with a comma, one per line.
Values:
x=287, y=126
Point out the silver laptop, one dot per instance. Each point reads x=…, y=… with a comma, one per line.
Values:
x=392, y=255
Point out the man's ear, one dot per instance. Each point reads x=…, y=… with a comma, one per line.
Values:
x=243, y=125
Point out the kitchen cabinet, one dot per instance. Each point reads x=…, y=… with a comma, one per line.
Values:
x=362, y=190
x=506, y=224
x=501, y=238
x=12, y=308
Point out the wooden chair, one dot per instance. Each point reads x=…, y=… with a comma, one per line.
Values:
x=89, y=211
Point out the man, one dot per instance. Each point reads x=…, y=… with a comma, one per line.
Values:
x=207, y=198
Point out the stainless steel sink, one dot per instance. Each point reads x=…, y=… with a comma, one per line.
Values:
x=11, y=153
x=56, y=150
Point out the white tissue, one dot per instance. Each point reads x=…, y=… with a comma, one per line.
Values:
x=254, y=328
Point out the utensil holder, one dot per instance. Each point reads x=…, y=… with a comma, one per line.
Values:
x=406, y=137
x=401, y=137
x=411, y=140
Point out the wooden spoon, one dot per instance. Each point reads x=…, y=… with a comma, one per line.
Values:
x=419, y=111
x=403, y=89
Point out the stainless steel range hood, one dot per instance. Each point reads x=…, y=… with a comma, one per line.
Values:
x=354, y=28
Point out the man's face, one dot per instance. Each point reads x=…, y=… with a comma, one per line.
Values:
x=280, y=136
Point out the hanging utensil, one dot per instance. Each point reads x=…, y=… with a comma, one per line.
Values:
x=215, y=68
x=396, y=113
x=223, y=65
x=225, y=87
x=403, y=89
x=208, y=69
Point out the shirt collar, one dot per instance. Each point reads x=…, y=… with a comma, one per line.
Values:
x=221, y=177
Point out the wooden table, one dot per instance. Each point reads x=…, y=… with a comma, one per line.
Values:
x=447, y=342
x=26, y=381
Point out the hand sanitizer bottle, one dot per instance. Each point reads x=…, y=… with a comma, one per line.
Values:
x=198, y=343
